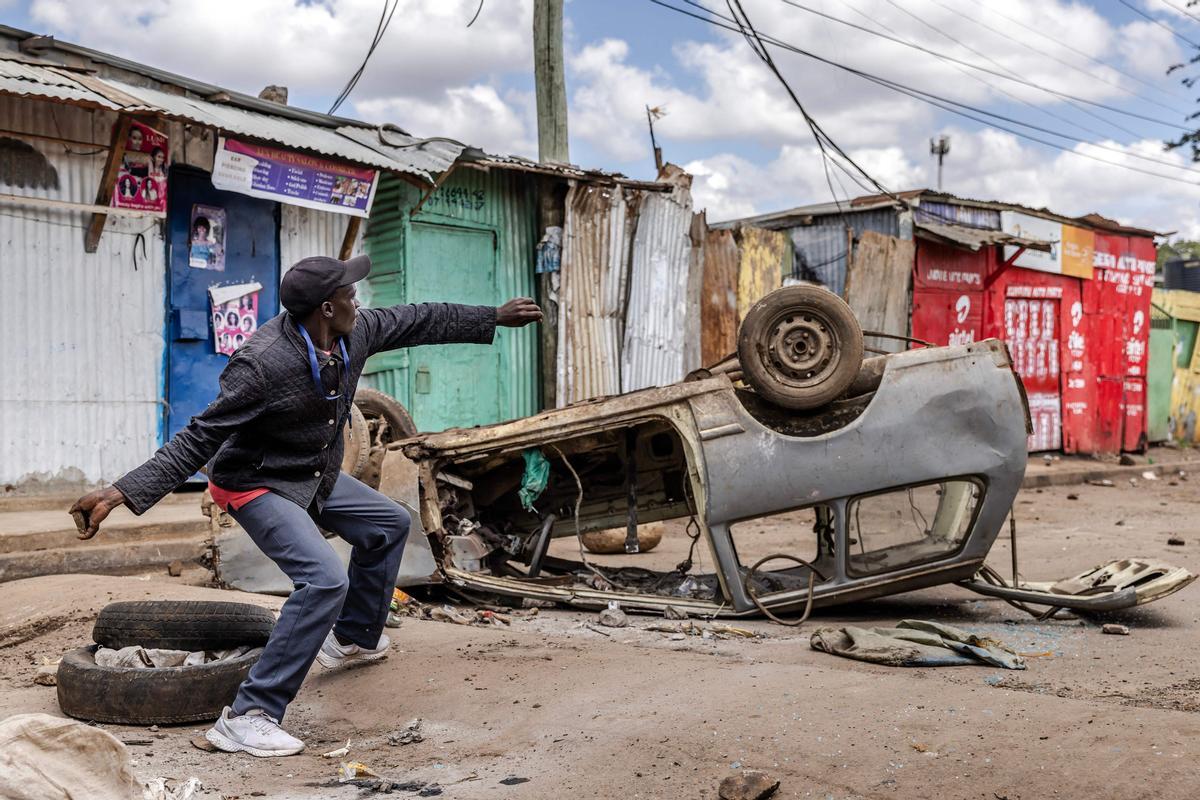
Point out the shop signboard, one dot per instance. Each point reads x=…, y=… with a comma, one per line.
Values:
x=1071, y=250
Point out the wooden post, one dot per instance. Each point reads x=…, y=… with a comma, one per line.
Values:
x=116, y=152
x=351, y=236
x=549, y=81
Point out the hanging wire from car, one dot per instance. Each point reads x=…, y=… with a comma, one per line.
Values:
x=385, y=19
x=812, y=585
x=578, y=505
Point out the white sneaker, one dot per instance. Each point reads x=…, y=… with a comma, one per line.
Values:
x=253, y=732
x=333, y=654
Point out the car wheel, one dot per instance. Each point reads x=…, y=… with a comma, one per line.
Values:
x=182, y=625
x=356, y=439
x=132, y=696
x=800, y=347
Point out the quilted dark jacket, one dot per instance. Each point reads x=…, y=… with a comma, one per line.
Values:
x=270, y=428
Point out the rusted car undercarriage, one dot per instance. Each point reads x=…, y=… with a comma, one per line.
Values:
x=904, y=481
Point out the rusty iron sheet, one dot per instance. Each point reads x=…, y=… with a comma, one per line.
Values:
x=760, y=265
x=877, y=286
x=718, y=297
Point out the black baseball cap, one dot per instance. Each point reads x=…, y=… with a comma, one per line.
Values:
x=312, y=280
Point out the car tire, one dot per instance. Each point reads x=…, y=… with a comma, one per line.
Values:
x=800, y=347
x=379, y=407
x=182, y=625
x=132, y=696
x=356, y=441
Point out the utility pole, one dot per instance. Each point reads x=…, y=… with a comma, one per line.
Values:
x=651, y=115
x=549, y=81
x=940, y=147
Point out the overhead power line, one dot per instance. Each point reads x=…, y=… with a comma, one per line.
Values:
x=1021, y=81
x=946, y=104
x=1158, y=22
x=385, y=19
x=1059, y=42
x=979, y=78
x=1183, y=11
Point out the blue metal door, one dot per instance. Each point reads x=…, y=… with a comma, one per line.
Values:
x=251, y=254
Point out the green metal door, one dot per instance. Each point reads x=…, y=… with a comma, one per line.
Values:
x=1159, y=373
x=453, y=385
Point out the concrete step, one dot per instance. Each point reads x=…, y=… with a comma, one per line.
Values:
x=43, y=542
x=101, y=558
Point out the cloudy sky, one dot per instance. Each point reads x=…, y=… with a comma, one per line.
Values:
x=1092, y=70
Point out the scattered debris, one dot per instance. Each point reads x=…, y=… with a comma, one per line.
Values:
x=671, y=612
x=362, y=776
x=157, y=789
x=200, y=743
x=1114, y=629
x=914, y=643
x=1072, y=496
x=175, y=568
x=1176, y=541
x=448, y=614
x=339, y=753
x=1150, y=475
x=47, y=673
x=513, y=780
x=597, y=630
x=1127, y=460
x=749, y=785
x=1047, y=459
x=1101, y=482
x=714, y=630
x=411, y=734
x=613, y=616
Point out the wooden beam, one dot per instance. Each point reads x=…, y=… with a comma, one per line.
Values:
x=108, y=179
x=352, y=229
x=66, y=205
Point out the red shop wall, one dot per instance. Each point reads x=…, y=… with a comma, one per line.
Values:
x=1120, y=294
x=947, y=306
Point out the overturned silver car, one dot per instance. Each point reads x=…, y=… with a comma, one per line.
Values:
x=901, y=482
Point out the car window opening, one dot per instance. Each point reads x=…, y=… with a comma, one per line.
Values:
x=778, y=543
x=909, y=526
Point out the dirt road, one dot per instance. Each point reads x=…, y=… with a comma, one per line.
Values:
x=637, y=714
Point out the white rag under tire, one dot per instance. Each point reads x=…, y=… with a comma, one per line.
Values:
x=182, y=625
x=800, y=347
x=133, y=696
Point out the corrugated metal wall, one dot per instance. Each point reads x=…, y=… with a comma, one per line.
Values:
x=85, y=330
x=930, y=211
x=655, y=328
x=760, y=267
x=598, y=228
x=500, y=201
x=305, y=232
x=821, y=249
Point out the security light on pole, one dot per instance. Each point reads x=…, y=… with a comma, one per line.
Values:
x=940, y=147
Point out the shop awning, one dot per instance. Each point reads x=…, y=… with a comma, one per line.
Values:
x=974, y=238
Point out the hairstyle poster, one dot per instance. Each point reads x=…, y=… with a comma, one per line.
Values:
x=142, y=178
x=206, y=238
x=235, y=319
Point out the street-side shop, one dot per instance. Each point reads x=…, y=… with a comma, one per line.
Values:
x=145, y=220
x=1069, y=296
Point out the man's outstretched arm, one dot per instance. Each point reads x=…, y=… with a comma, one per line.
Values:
x=443, y=323
x=242, y=398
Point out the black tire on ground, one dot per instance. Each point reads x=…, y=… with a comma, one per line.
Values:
x=357, y=440
x=800, y=347
x=130, y=696
x=182, y=624
x=374, y=403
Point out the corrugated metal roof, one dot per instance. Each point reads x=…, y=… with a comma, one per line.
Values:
x=31, y=80
x=808, y=214
x=655, y=321
x=975, y=238
x=482, y=160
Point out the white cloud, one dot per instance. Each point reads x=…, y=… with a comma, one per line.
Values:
x=314, y=45
x=1148, y=48
x=474, y=114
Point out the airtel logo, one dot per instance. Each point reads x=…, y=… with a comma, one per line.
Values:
x=962, y=307
x=1139, y=319
x=1076, y=313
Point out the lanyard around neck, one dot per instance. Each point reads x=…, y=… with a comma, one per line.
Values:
x=316, y=370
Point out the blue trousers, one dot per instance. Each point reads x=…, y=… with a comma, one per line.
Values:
x=354, y=602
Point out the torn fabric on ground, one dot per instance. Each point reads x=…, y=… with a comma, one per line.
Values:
x=915, y=643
